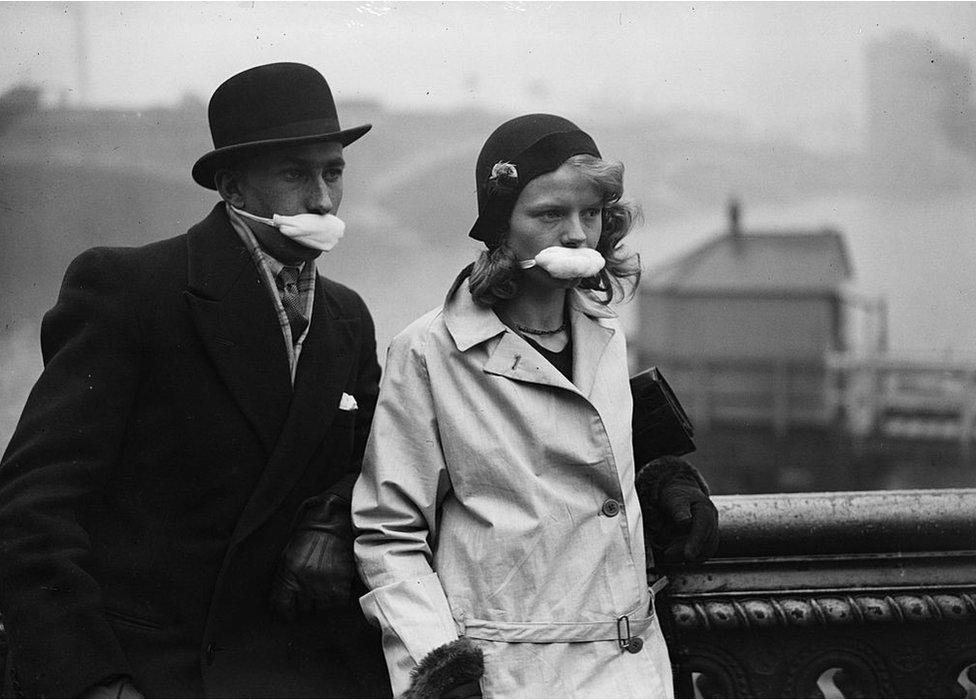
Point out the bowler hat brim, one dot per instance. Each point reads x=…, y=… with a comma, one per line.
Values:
x=207, y=166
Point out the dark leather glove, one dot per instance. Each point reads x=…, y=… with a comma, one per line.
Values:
x=452, y=670
x=317, y=569
x=118, y=687
x=679, y=518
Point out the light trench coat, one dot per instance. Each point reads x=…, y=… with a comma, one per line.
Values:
x=496, y=502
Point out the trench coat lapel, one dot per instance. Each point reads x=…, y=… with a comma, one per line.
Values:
x=514, y=358
x=236, y=322
x=323, y=369
x=590, y=341
x=511, y=356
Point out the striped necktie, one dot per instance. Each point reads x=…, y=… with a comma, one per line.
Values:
x=287, y=281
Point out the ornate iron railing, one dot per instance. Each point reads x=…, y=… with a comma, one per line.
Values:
x=856, y=594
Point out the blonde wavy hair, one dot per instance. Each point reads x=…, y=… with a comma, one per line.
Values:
x=495, y=274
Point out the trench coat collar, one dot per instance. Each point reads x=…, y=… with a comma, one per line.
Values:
x=470, y=324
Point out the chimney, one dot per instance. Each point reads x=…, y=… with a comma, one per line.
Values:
x=735, y=229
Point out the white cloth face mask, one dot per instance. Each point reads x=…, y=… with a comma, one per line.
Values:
x=567, y=263
x=318, y=231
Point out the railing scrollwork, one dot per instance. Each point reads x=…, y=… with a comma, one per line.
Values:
x=869, y=594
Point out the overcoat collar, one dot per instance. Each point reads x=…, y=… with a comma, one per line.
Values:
x=237, y=324
x=511, y=356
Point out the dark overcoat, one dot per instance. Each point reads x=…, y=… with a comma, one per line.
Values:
x=151, y=484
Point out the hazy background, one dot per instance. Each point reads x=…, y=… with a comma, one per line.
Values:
x=103, y=112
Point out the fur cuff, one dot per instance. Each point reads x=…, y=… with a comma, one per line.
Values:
x=447, y=667
x=658, y=473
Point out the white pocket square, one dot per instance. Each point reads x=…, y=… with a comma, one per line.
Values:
x=348, y=403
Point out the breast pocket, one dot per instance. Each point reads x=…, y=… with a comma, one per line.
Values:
x=342, y=435
x=345, y=418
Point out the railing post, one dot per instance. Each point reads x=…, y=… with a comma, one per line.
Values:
x=703, y=412
x=781, y=398
x=968, y=416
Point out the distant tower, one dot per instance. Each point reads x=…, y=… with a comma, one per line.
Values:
x=916, y=91
x=78, y=12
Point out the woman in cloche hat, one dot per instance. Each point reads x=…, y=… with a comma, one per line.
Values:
x=498, y=525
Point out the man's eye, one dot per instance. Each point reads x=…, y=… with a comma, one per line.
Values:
x=551, y=214
x=332, y=174
x=293, y=174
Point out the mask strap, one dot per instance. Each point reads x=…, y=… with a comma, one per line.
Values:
x=260, y=219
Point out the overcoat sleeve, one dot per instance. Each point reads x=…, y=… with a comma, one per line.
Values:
x=395, y=507
x=62, y=451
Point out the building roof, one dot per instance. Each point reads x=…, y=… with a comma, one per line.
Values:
x=807, y=262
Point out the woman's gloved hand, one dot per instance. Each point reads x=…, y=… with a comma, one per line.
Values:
x=452, y=670
x=680, y=520
x=317, y=568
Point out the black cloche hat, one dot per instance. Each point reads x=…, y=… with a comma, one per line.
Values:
x=278, y=103
x=517, y=152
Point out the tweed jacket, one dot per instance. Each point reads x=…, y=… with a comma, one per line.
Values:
x=152, y=482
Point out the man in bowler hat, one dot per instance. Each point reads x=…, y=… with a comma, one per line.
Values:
x=174, y=504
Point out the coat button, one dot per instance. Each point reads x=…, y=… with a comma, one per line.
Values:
x=210, y=654
x=634, y=645
x=610, y=508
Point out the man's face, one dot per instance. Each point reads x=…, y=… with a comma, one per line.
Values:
x=304, y=179
x=290, y=180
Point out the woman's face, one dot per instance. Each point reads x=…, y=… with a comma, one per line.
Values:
x=561, y=208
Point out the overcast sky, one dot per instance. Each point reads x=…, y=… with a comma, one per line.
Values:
x=786, y=67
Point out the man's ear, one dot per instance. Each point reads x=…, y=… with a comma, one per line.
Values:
x=228, y=182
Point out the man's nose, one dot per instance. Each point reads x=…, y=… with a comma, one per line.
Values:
x=319, y=197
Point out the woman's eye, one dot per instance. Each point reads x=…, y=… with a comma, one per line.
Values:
x=593, y=212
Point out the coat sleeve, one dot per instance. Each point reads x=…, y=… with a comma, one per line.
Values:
x=395, y=507
x=61, y=453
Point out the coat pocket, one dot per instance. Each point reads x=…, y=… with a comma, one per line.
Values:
x=345, y=418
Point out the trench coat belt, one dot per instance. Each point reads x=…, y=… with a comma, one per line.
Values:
x=549, y=632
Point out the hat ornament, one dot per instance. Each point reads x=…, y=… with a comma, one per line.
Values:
x=503, y=179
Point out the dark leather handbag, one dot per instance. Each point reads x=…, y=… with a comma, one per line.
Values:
x=661, y=427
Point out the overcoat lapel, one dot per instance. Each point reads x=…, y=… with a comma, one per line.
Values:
x=323, y=369
x=236, y=322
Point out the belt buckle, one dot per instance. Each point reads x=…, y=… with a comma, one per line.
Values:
x=625, y=641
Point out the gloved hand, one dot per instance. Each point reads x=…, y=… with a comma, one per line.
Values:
x=679, y=518
x=118, y=687
x=452, y=670
x=317, y=569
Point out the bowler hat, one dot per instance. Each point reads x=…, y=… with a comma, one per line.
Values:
x=516, y=153
x=278, y=103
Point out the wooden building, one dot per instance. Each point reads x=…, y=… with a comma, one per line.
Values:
x=742, y=325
